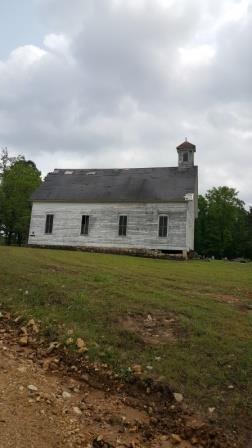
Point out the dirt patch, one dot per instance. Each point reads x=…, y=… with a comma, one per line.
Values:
x=244, y=305
x=228, y=299
x=60, y=269
x=152, y=329
x=225, y=298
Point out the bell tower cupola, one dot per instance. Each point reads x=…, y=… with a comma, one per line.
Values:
x=186, y=152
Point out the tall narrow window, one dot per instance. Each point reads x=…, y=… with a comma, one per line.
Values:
x=123, y=225
x=163, y=224
x=84, y=225
x=49, y=224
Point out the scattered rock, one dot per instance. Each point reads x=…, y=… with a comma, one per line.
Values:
x=22, y=369
x=149, y=367
x=85, y=378
x=53, y=346
x=194, y=423
x=178, y=397
x=31, y=323
x=81, y=345
x=175, y=439
x=137, y=369
x=23, y=340
x=34, y=326
x=32, y=388
x=66, y=395
x=77, y=410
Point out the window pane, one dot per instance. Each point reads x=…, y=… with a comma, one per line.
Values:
x=84, y=225
x=163, y=223
x=122, y=225
x=49, y=224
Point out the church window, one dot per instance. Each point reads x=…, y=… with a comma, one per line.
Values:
x=49, y=224
x=123, y=225
x=84, y=225
x=163, y=226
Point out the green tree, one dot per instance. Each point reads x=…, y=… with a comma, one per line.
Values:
x=221, y=227
x=6, y=161
x=248, y=248
x=19, y=178
x=201, y=227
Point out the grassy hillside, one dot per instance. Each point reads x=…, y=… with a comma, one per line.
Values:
x=186, y=322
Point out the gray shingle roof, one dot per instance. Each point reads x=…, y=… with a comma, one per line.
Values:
x=117, y=185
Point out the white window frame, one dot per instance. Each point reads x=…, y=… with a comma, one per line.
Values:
x=161, y=215
x=127, y=223
x=88, y=227
x=49, y=214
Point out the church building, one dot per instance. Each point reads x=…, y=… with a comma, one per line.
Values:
x=138, y=208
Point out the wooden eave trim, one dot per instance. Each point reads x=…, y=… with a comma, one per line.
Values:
x=106, y=202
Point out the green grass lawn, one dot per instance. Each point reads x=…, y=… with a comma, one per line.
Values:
x=94, y=293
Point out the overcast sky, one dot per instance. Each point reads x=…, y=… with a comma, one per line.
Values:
x=120, y=83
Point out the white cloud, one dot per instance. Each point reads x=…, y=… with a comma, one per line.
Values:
x=196, y=56
x=26, y=56
x=118, y=83
x=58, y=44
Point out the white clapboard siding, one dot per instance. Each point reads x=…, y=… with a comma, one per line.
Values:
x=142, y=229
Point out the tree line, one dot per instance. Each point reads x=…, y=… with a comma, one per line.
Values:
x=224, y=225
x=223, y=228
x=18, y=179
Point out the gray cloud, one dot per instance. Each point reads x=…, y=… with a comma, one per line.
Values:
x=120, y=83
